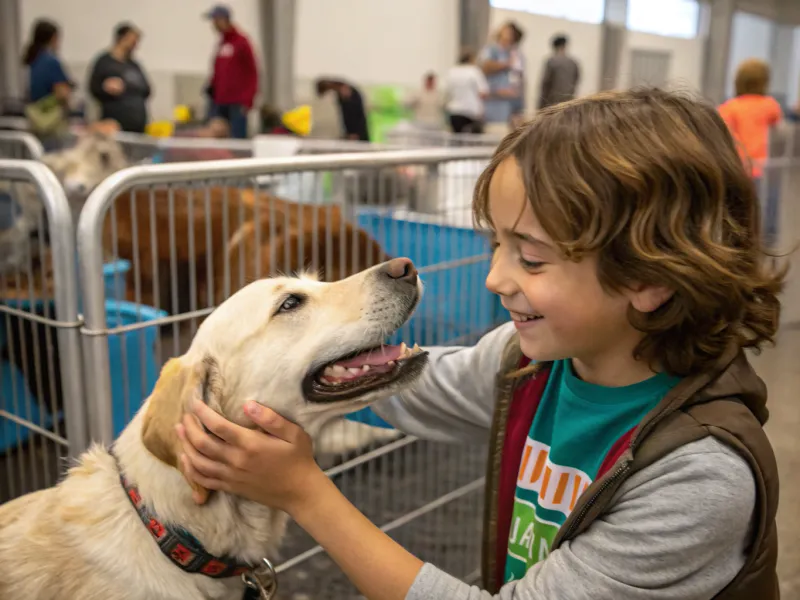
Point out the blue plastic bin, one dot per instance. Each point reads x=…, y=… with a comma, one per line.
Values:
x=115, y=276
x=456, y=307
x=134, y=370
x=133, y=377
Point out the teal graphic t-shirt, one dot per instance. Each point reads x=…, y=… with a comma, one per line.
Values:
x=574, y=428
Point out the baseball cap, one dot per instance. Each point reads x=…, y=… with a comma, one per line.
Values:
x=219, y=11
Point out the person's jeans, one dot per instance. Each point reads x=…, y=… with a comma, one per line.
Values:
x=235, y=115
x=769, y=209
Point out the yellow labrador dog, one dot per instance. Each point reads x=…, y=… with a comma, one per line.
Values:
x=123, y=525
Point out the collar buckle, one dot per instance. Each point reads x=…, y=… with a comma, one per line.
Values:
x=263, y=579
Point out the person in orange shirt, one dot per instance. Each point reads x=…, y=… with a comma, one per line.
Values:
x=749, y=116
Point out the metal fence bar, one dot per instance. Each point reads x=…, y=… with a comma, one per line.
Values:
x=418, y=137
x=19, y=144
x=65, y=290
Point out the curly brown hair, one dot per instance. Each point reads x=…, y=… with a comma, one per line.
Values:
x=651, y=182
x=752, y=77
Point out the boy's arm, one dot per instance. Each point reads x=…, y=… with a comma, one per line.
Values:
x=453, y=401
x=678, y=530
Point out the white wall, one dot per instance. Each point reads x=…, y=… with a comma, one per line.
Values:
x=794, y=70
x=584, y=45
x=686, y=69
x=751, y=38
x=375, y=41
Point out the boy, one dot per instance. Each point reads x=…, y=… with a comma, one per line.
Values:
x=627, y=455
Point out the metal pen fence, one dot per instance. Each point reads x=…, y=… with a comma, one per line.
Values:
x=417, y=137
x=42, y=408
x=21, y=145
x=175, y=227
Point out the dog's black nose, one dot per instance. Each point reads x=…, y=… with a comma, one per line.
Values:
x=401, y=269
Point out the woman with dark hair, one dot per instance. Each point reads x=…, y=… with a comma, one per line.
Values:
x=118, y=82
x=49, y=87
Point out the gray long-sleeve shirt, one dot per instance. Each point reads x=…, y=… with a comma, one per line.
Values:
x=559, y=81
x=677, y=530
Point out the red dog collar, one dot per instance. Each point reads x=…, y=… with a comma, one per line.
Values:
x=180, y=546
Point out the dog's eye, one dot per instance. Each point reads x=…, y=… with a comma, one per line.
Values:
x=293, y=302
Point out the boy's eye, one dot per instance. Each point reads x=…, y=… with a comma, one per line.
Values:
x=531, y=264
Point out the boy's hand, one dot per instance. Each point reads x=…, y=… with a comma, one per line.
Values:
x=275, y=468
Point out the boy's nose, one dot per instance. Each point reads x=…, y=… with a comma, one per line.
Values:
x=498, y=281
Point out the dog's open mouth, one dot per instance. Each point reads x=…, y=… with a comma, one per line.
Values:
x=356, y=374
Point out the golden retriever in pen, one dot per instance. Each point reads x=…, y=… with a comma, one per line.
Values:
x=123, y=525
x=212, y=234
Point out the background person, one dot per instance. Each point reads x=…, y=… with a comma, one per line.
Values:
x=428, y=104
x=49, y=87
x=750, y=116
x=500, y=63
x=351, y=107
x=234, y=81
x=561, y=75
x=465, y=90
x=119, y=83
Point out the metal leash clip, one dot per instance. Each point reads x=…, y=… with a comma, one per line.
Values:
x=263, y=579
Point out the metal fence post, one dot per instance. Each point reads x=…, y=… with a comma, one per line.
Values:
x=19, y=144
x=65, y=285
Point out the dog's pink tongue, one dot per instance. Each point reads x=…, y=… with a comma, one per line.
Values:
x=373, y=357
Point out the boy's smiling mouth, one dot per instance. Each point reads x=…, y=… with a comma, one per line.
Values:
x=524, y=318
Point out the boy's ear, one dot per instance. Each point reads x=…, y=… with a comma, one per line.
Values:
x=178, y=384
x=649, y=298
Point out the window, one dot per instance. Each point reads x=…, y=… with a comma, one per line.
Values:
x=674, y=18
x=586, y=11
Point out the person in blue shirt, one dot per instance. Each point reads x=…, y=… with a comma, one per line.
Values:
x=503, y=65
x=47, y=76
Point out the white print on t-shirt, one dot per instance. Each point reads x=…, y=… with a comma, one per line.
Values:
x=226, y=50
x=558, y=487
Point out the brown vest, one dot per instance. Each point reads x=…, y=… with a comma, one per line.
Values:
x=727, y=402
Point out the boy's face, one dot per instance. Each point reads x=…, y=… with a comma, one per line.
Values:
x=558, y=306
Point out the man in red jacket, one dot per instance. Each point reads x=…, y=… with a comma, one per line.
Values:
x=234, y=82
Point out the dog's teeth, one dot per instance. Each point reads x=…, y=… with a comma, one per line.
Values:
x=403, y=350
x=391, y=363
x=354, y=371
x=365, y=368
x=416, y=348
x=325, y=380
x=328, y=371
x=338, y=370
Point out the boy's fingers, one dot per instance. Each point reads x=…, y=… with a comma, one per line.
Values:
x=217, y=424
x=207, y=482
x=272, y=422
x=190, y=431
x=202, y=465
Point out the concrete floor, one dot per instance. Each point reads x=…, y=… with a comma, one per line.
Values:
x=780, y=369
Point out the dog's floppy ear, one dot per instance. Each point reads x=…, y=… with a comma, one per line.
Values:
x=178, y=384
